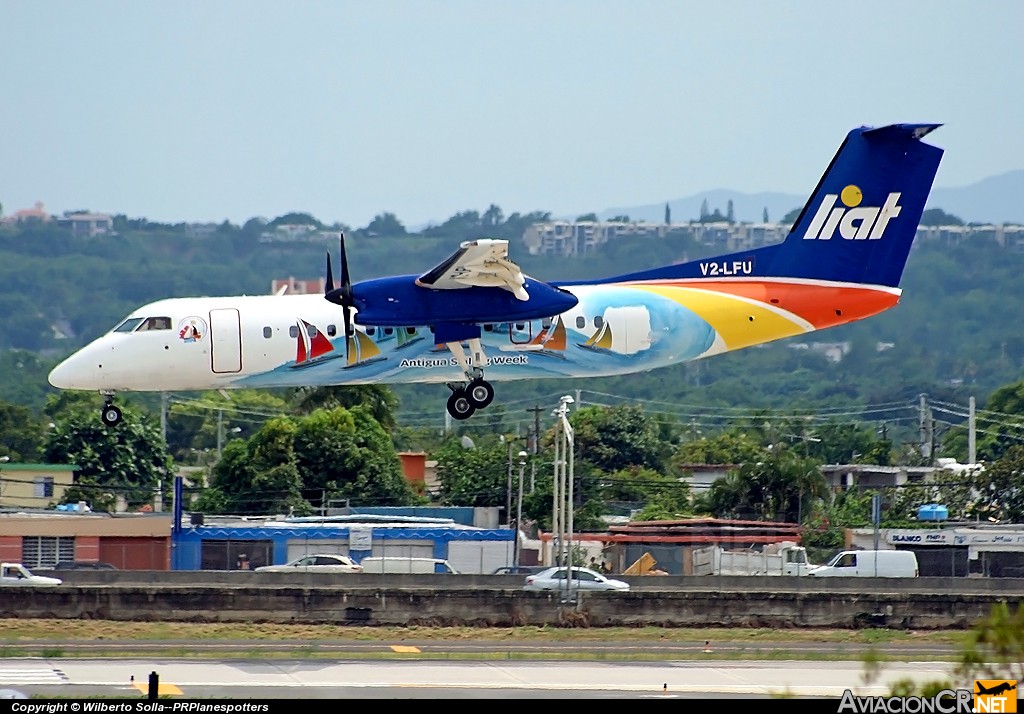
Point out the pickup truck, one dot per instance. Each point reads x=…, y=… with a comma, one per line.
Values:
x=17, y=575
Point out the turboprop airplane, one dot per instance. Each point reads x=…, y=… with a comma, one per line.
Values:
x=476, y=314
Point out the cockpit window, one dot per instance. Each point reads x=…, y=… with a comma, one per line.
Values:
x=128, y=325
x=156, y=323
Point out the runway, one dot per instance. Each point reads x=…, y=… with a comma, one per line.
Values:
x=353, y=679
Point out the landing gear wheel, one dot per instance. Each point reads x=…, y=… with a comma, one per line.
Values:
x=480, y=393
x=459, y=405
x=111, y=415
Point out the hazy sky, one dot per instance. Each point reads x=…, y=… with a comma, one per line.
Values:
x=206, y=111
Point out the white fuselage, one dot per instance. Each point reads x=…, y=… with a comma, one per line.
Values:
x=184, y=344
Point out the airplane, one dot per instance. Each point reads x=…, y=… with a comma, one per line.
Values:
x=477, y=314
x=995, y=690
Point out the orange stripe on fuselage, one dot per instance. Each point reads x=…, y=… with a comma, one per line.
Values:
x=820, y=305
x=815, y=303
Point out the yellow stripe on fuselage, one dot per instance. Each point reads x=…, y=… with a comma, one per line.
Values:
x=740, y=322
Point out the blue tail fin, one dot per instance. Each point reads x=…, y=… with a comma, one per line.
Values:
x=858, y=225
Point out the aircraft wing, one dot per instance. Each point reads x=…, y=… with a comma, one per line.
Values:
x=477, y=263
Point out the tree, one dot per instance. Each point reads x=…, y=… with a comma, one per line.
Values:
x=727, y=447
x=385, y=225
x=258, y=476
x=289, y=464
x=473, y=476
x=1001, y=487
x=783, y=486
x=127, y=460
x=668, y=215
x=703, y=210
x=592, y=217
x=346, y=454
x=938, y=217
x=764, y=215
x=379, y=398
x=21, y=433
x=730, y=215
x=995, y=649
x=658, y=496
x=791, y=217
x=492, y=217
x=996, y=438
x=616, y=438
x=292, y=219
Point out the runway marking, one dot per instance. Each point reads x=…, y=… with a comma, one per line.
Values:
x=32, y=675
x=161, y=688
x=405, y=648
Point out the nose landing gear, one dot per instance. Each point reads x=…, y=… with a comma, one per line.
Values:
x=110, y=415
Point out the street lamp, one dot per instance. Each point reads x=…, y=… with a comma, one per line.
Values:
x=519, y=508
x=563, y=497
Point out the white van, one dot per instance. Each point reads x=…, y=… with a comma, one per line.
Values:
x=869, y=564
x=401, y=564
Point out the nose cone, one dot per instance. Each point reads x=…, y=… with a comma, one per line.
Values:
x=72, y=373
x=566, y=300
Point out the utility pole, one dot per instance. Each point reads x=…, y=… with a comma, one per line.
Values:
x=922, y=408
x=508, y=486
x=163, y=416
x=519, y=508
x=536, y=428
x=535, y=446
x=972, y=453
x=220, y=432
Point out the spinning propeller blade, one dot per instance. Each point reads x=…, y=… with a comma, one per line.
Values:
x=341, y=295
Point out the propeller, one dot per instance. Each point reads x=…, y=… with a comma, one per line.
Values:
x=341, y=295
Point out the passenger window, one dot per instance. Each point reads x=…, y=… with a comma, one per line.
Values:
x=311, y=329
x=520, y=326
x=488, y=327
x=128, y=325
x=410, y=330
x=370, y=330
x=332, y=330
x=389, y=330
x=267, y=332
x=581, y=321
x=293, y=331
x=598, y=321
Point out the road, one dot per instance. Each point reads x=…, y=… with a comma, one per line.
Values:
x=419, y=679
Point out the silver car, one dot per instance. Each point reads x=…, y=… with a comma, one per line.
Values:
x=582, y=579
x=320, y=563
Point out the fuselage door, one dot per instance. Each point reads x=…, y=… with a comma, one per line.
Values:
x=225, y=340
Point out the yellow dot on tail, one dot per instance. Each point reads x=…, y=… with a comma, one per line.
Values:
x=851, y=196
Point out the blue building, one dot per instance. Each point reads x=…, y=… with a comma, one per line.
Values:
x=234, y=543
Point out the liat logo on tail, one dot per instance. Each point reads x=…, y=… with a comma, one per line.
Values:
x=854, y=221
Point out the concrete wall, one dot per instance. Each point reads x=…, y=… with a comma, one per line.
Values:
x=469, y=600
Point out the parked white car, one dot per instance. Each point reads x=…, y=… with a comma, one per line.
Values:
x=582, y=579
x=321, y=563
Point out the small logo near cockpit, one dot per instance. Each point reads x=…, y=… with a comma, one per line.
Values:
x=192, y=329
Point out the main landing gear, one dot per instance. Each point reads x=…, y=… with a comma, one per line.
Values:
x=476, y=392
x=110, y=414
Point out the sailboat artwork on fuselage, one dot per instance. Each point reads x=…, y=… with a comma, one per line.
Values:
x=623, y=330
x=402, y=337
x=362, y=350
x=312, y=346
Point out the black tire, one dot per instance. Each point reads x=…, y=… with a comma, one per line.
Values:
x=111, y=415
x=459, y=405
x=480, y=393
